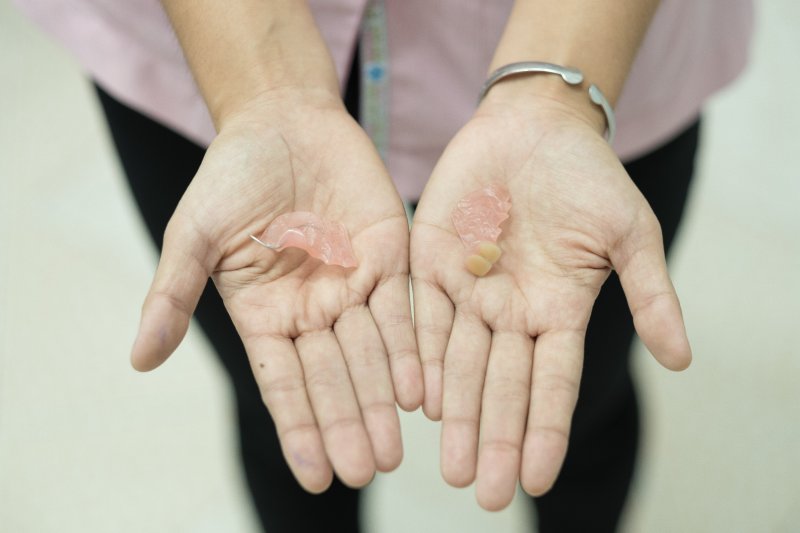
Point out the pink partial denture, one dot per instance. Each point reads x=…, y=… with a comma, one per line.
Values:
x=323, y=239
x=478, y=215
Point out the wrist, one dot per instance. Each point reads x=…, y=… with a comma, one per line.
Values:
x=547, y=95
x=239, y=51
x=281, y=71
x=598, y=38
x=280, y=105
x=280, y=93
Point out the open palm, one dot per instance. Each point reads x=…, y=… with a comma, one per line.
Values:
x=502, y=354
x=321, y=339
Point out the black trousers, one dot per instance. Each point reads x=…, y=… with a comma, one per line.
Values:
x=591, y=491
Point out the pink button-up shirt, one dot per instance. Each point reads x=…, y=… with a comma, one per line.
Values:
x=438, y=55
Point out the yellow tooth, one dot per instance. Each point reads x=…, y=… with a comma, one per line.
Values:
x=478, y=265
x=489, y=251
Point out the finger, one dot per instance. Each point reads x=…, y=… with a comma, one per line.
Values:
x=464, y=372
x=335, y=407
x=368, y=366
x=390, y=306
x=433, y=322
x=557, y=363
x=504, y=413
x=279, y=375
x=642, y=268
x=186, y=262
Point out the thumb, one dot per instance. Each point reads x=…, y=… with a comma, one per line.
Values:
x=640, y=262
x=183, y=270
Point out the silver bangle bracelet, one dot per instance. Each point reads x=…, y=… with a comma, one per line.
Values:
x=571, y=76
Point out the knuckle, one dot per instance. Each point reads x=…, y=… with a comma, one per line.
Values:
x=465, y=372
x=281, y=384
x=553, y=432
x=433, y=329
x=404, y=353
x=176, y=303
x=434, y=363
x=325, y=379
x=296, y=430
x=366, y=360
x=556, y=383
x=378, y=408
x=344, y=423
x=507, y=395
x=469, y=422
x=649, y=300
x=502, y=445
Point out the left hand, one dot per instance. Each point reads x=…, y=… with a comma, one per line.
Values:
x=502, y=355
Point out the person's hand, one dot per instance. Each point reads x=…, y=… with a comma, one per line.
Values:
x=502, y=354
x=321, y=339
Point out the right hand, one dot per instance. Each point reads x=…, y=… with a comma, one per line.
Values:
x=331, y=348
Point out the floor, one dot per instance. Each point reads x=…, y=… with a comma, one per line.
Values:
x=88, y=445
